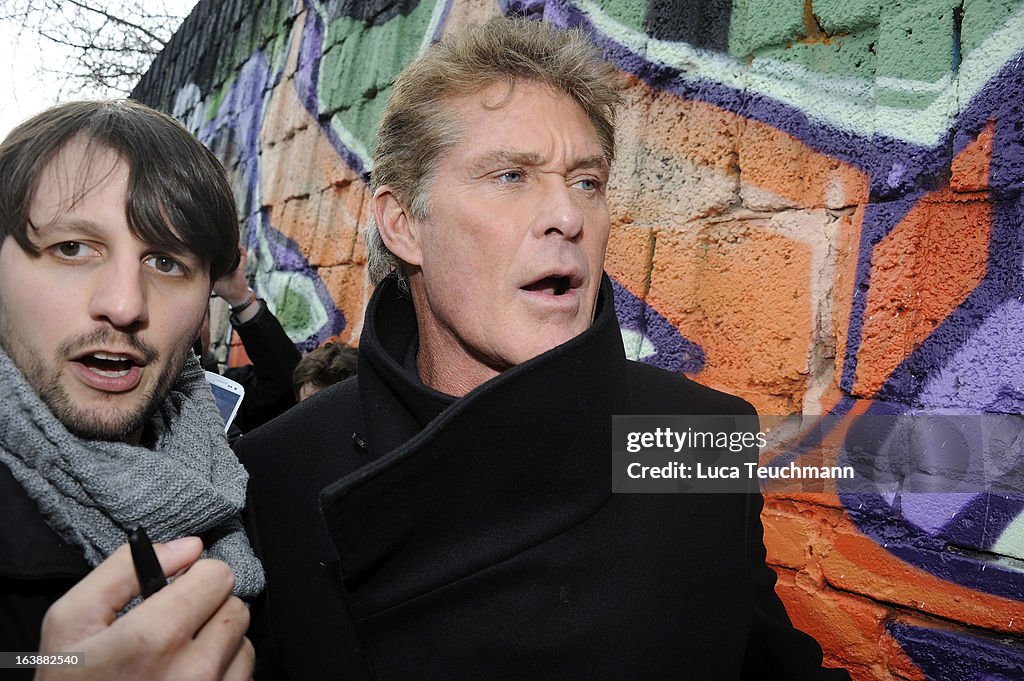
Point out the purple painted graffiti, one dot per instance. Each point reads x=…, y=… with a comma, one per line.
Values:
x=234, y=135
x=307, y=77
x=946, y=534
x=945, y=655
x=971, y=361
x=901, y=172
x=673, y=352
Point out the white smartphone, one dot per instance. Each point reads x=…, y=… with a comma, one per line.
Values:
x=228, y=394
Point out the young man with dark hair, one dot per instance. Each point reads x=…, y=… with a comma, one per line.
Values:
x=114, y=222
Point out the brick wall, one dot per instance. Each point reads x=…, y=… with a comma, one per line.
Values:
x=816, y=206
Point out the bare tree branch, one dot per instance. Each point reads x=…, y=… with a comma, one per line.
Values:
x=121, y=21
x=110, y=45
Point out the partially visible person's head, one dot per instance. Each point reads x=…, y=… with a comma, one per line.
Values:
x=329, y=364
x=420, y=123
x=114, y=221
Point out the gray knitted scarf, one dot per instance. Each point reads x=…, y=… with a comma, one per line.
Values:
x=92, y=493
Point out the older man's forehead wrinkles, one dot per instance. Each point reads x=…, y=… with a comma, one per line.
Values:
x=592, y=162
x=505, y=158
x=508, y=158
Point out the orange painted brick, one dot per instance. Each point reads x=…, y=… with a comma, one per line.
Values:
x=856, y=563
x=629, y=257
x=675, y=159
x=296, y=158
x=848, y=628
x=701, y=133
x=299, y=220
x=359, y=250
x=788, y=402
x=779, y=163
x=304, y=164
x=342, y=213
x=898, y=663
x=786, y=538
x=282, y=117
x=969, y=171
x=740, y=292
x=847, y=252
x=921, y=272
x=350, y=288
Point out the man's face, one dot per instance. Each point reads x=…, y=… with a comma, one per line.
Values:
x=99, y=323
x=511, y=254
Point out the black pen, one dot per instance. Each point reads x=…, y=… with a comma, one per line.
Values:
x=147, y=567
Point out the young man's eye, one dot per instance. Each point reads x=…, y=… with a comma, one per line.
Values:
x=165, y=265
x=71, y=249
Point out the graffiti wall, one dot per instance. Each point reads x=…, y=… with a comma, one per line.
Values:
x=816, y=205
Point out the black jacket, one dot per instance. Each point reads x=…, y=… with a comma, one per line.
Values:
x=407, y=535
x=36, y=568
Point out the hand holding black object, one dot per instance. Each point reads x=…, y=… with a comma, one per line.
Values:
x=147, y=567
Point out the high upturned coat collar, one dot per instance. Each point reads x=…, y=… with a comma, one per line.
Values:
x=517, y=460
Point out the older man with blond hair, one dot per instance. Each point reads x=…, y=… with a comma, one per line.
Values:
x=448, y=513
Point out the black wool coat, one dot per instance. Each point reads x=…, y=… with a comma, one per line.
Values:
x=36, y=568
x=407, y=535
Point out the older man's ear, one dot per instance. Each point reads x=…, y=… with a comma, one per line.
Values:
x=397, y=229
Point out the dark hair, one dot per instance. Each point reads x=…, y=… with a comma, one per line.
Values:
x=329, y=364
x=179, y=198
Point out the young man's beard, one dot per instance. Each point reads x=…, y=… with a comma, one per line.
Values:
x=111, y=423
x=98, y=423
